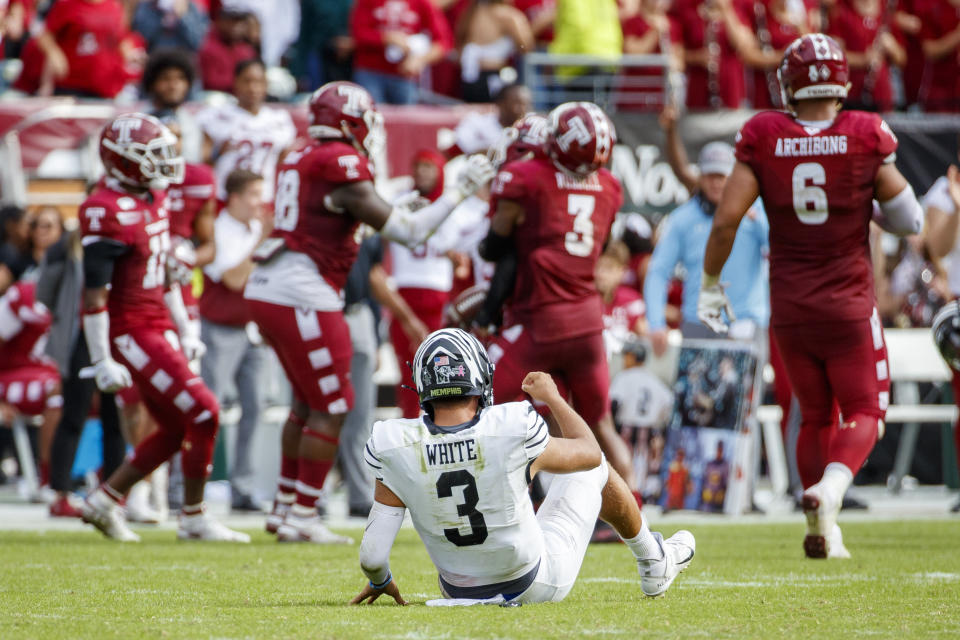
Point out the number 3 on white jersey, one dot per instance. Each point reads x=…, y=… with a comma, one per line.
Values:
x=809, y=200
x=286, y=203
x=579, y=242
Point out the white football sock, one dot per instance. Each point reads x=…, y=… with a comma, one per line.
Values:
x=837, y=478
x=644, y=546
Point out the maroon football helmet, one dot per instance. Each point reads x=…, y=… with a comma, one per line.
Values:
x=813, y=66
x=345, y=111
x=140, y=152
x=522, y=140
x=580, y=137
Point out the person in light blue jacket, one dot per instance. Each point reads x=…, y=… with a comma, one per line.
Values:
x=683, y=241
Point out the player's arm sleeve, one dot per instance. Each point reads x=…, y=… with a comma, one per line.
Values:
x=413, y=228
x=495, y=247
x=537, y=436
x=383, y=524
x=99, y=254
x=501, y=287
x=508, y=186
x=901, y=215
x=665, y=257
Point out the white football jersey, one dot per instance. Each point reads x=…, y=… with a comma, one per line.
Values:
x=247, y=141
x=466, y=489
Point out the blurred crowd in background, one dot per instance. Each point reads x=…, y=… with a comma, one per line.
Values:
x=716, y=53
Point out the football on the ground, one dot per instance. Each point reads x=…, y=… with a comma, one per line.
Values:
x=462, y=310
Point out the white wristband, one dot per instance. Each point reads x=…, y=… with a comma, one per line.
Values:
x=96, y=330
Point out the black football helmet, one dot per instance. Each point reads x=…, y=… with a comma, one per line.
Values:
x=946, y=333
x=451, y=363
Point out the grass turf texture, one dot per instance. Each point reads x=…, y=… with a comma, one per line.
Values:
x=747, y=581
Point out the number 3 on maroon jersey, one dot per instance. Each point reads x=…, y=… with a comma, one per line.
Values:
x=579, y=242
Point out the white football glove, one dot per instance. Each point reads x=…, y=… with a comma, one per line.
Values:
x=190, y=342
x=180, y=262
x=110, y=375
x=711, y=306
x=475, y=175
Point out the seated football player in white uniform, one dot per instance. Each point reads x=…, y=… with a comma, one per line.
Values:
x=463, y=469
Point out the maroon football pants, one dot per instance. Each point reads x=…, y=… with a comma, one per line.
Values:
x=185, y=410
x=836, y=366
x=426, y=304
x=580, y=364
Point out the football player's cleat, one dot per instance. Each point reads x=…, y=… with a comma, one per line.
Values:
x=65, y=507
x=106, y=515
x=203, y=527
x=835, y=544
x=277, y=515
x=296, y=529
x=656, y=576
x=138, y=505
x=822, y=508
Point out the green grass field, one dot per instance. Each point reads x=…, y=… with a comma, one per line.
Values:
x=747, y=581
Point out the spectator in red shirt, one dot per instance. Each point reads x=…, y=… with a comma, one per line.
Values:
x=88, y=49
x=940, y=38
x=776, y=26
x=225, y=46
x=863, y=31
x=712, y=33
x=651, y=31
x=395, y=41
x=909, y=24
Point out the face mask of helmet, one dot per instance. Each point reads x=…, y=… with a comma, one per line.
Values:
x=159, y=162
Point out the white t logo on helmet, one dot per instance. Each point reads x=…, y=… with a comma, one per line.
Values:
x=576, y=133
x=124, y=126
x=358, y=100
